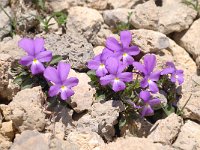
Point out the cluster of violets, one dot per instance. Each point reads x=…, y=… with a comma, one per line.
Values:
x=111, y=67
x=36, y=58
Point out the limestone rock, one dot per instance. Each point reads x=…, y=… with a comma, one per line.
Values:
x=84, y=92
x=4, y=143
x=188, y=138
x=124, y=4
x=116, y=16
x=7, y=88
x=7, y=130
x=149, y=41
x=101, y=119
x=89, y=25
x=166, y=130
x=22, y=116
x=190, y=40
x=4, y=3
x=86, y=140
x=98, y=50
x=5, y=27
x=131, y=143
x=72, y=46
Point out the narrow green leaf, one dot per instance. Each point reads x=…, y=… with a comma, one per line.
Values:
x=27, y=83
x=55, y=59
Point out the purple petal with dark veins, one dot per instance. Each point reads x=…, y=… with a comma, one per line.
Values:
x=113, y=44
x=65, y=94
x=71, y=82
x=154, y=76
x=167, y=71
x=54, y=90
x=26, y=60
x=144, y=82
x=51, y=74
x=153, y=87
x=125, y=38
x=37, y=68
x=27, y=45
x=101, y=71
x=147, y=110
x=63, y=70
x=140, y=67
x=145, y=95
x=38, y=45
x=149, y=62
x=153, y=102
x=133, y=50
x=126, y=76
x=106, y=79
x=44, y=56
x=118, y=85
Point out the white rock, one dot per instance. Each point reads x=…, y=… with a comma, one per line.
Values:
x=26, y=109
x=87, y=21
x=124, y=4
x=84, y=92
x=166, y=130
x=189, y=137
x=5, y=27
x=98, y=50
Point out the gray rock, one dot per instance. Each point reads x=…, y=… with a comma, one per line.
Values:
x=72, y=46
x=116, y=16
x=166, y=130
x=101, y=119
x=188, y=138
x=88, y=25
x=124, y=4
x=26, y=109
x=4, y=3
x=5, y=26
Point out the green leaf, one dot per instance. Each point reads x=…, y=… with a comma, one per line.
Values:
x=55, y=59
x=100, y=97
x=60, y=17
x=122, y=122
x=169, y=109
x=27, y=83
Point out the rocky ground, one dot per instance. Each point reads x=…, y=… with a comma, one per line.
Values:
x=168, y=28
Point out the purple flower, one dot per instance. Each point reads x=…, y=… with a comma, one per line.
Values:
x=147, y=69
x=176, y=75
x=58, y=77
x=98, y=63
x=123, y=50
x=149, y=102
x=36, y=54
x=116, y=77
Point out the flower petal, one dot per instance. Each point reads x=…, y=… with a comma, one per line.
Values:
x=38, y=45
x=118, y=85
x=144, y=82
x=140, y=67
x=93, y=64
x=113, y=44
x=167, y=71
x=128, y=60
x=27, y=45
x=153, y=87
x=44, y=56
x=54, y=90
x=180, y=77
x=125, y=38
x=101, y=71
x=71, y=82
x=145, y=95
x=170, y=64
x=147, y=110
x=149, y=62
x=133, y=50
x=63, y=70
x=65, y=94
x=153, y=102
x=106, y=79
x=112, y=65
x=106, y=54
x=126, y=76
x=51, y=74
x=154, y=76
x=37, y=68
x=26, y=60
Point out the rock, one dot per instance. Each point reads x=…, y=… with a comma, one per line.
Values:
x=6, y=111
x=1, y=119
x=131, y=143
x=173, y=16
x=116, y=16
x=124, y=4
x=89, y=25
x=166, y=130
x=101, y=119
x=98, y=50
x=145, y=16
x=97, y=4
x=7, y=88
x=72, y=46
x=188, y=138
x=4, y=143
x=149, y=41
x=86, y=140
x=10, y=46
x=7, y=130
x=84, y=92
x=5, y=27
x=190, y=41
x=59, y=5
x=100, y=38
x=22, y=116
x=4, y=3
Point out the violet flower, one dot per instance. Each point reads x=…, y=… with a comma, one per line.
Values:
x=123, y=50
x=176, y=75
x=36, y=54
x=58, y=77
x=98, y=63
x=147, y=68
x=116, y=77
x=149, y=102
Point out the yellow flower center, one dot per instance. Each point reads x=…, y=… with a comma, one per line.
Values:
x=63, y=88
x=176, y=76
x=102, y=66
x=149, y=81
x=125, y=54
x=116, y=79
x=35, y=61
